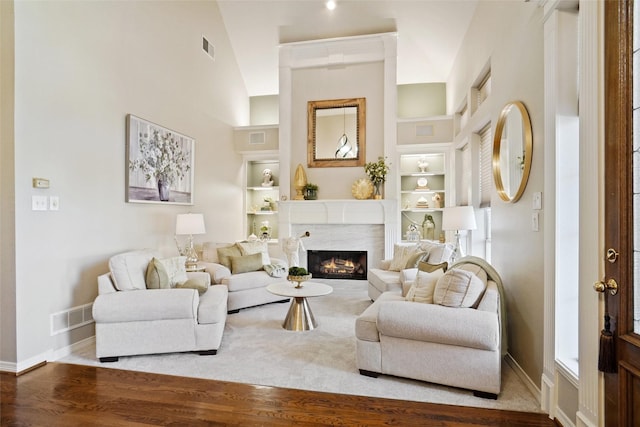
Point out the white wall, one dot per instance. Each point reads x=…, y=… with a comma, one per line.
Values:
x=510, y=36
x=80, y=67
x=352, y=81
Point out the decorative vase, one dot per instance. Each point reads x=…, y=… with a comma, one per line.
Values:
x=298, y=280
x=377, y=190
x=311, y=194
x=164, y=190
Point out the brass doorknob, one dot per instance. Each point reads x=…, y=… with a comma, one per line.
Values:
x=611, y=285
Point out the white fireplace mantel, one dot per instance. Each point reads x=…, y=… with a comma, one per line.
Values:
x=328, y=212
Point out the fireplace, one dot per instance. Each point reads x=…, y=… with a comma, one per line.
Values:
x=337, y=264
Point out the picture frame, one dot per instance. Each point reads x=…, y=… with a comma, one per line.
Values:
x=159, y=164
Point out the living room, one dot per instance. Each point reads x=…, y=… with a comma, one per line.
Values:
x=81, y=67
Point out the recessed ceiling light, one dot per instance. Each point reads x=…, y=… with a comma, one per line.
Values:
x=331, y=4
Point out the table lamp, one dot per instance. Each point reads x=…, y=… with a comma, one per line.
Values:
x=190, y=224
x=458, y=218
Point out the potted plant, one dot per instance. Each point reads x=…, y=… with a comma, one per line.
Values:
x=377, y=173
x=310, y=191
x=298, y=275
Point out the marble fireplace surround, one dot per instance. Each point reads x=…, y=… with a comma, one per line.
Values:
x=367, y=225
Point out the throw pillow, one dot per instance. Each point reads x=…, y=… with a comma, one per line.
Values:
x=246, y=263
x=428, y=268
x=438, y=252
x=401, y=254
x=422, y=290
x=250, y=248
x=275, y=270
x=417, y=257
x=193, y=284
x=226, y=252
x=458, y=288
x=166, y=273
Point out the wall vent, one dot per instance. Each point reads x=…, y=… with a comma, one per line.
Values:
x=208, y=48
x=71, y=318
x=424, y=130
x=257, y=138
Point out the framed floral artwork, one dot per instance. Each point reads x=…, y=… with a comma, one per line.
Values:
x=159, y=164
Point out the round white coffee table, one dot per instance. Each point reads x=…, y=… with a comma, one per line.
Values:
x=299, y=317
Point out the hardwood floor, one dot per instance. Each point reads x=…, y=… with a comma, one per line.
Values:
x=74, y=395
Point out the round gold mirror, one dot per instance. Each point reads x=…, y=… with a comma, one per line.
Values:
x=512, y=150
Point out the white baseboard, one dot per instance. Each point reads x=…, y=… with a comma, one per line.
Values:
x=25, y=365
x=66, y=351
x=582, y=421
x=531, y=386
x=48, y=356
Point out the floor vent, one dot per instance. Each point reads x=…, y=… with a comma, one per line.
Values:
x=71, y=318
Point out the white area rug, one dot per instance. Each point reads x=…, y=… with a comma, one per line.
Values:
x=257, y=350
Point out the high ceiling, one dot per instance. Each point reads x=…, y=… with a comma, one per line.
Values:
x=429, y=33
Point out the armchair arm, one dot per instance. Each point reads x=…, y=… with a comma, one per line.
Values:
x=146, y=305
x=466, y=327
x=216, y=271
x=200, y=276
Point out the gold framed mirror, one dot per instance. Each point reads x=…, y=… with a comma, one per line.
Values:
x=336, y=132
x=512, y=151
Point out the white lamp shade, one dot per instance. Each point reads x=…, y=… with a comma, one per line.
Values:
x=190, y=224
x=459, y=218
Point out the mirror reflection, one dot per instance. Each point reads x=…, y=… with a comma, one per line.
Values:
x=512, y=149
x=336, y=132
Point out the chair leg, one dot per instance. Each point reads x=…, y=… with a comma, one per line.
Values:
x=208, y=352
x=369, y=373
x=485, y=395
x=109, y=359
x=237, y=310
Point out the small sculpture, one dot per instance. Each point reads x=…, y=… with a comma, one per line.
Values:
x=422, y=164
x=291, y=246
x=437, y=201
x=267, y=178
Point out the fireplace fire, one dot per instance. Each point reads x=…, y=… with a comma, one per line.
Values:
x=337, y=264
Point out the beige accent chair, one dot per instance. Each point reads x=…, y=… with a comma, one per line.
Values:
x=386, y=278
x=131, y=319
x=459, y=347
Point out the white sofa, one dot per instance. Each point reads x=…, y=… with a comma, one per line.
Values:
x=131, y=319
x=246, y=289
x=384, y=279
x=460, y=347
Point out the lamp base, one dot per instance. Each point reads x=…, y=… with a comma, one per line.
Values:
x=191, y=254
x=457, y=252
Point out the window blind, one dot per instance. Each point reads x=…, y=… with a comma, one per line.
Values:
x=486, y=172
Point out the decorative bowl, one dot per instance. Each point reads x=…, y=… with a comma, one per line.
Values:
x=299, y=279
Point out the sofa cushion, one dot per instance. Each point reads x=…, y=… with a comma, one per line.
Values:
x=250, y=280
x=226, y=252
x=384, y=280
x=193, y=284
x=402, y=252
x=458, y=288
x=422, y=290
x=128, y=269
x=246, y=263
x=426, y=267
x=438, y=252
x=250, y=248
x=166, y=273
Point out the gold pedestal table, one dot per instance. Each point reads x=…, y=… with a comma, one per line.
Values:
x=299, y=317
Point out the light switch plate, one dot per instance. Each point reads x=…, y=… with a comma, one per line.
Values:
x=535, y=226
x=54, y=203
x=537, y=200
x=39, y=203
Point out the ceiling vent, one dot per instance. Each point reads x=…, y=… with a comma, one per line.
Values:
x=208, y=48
x=424, y=130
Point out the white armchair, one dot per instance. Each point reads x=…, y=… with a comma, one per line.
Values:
x=131, y=319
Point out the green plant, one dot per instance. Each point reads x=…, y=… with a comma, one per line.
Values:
x=298, y=271
x=310, y=186
x=377, y=171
